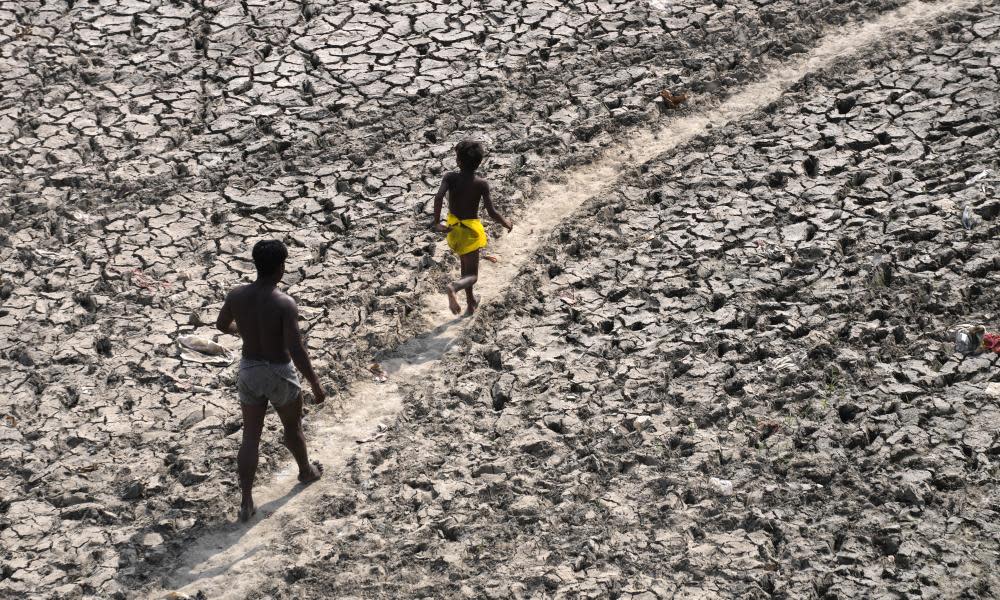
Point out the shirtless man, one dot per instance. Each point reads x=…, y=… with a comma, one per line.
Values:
x=267, y=320
x=466, y=235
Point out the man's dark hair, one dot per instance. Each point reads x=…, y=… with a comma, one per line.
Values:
x=470, y=155
x=268, y=256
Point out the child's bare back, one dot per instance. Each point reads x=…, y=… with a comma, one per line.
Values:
x=465, y=190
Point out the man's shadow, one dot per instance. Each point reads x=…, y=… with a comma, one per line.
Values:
x=221, y=538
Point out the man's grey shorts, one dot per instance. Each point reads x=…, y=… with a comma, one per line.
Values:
x=260, y=381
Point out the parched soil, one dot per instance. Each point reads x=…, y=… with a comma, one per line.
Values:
x=702, y=321
x=732, y=377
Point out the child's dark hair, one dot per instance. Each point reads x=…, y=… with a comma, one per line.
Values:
x=268, y=256
x=470, y=155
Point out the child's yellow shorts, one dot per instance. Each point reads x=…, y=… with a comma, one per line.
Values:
x=466, y=235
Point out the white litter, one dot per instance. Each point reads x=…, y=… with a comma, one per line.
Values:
x=723, y=486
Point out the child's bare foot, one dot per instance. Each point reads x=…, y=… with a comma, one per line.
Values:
x=491, y=258
x=471, y=307
x=315, y=472
x=247, y=510
x=453, y=302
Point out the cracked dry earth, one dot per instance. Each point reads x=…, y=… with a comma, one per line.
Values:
x=147, y=144
x=767, y=305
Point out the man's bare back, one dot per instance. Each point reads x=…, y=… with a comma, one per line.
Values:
x=264, y=317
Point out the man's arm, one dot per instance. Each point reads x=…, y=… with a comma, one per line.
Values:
x=491, y=210
x=439, y=203
x=226, y=323
x=297, y=348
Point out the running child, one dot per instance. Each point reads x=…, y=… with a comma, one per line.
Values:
x=465, y=231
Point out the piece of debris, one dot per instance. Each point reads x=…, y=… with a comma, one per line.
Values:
x=969, y=218
x=671, y=101
x=205, y=350
x=200, y=344
x=180, y=596
x=723, y=486
x=974, y=339
x=379, y=373
x=141, y=280
x=382, y=430
x=978, y=176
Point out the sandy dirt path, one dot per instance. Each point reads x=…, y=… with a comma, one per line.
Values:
x=231, y=561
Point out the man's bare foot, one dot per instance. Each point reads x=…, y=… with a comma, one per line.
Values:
x=453, y=302
x=315, y=472
x=247, y=510
x=471, y=308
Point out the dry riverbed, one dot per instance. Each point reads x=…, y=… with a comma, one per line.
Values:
x=766, y=305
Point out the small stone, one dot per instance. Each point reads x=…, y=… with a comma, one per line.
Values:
x=723, y=486
x=188, y=477
x=526, y=506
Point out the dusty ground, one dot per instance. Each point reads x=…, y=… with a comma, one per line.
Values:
x=767, y=305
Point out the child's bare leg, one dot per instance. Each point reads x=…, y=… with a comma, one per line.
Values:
x=453, y=300
x=470, y=270
x=471, y=302
x=470, y=273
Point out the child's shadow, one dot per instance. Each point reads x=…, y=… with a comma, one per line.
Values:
x=424, y=348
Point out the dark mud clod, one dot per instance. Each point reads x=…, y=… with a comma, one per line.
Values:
x=494, y=360
x=103, y=346
x=844, y=105
x=811, y=165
